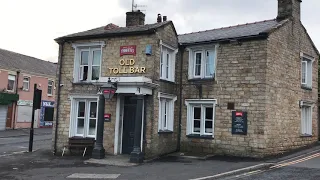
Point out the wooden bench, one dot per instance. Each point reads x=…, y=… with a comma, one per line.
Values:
x=79, y=143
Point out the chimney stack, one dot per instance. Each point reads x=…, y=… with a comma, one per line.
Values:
x=135, y=18
x=164, y=18
x=289, y=9
x=159, y=19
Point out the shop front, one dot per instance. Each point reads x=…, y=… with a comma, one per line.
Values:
x=6, y=108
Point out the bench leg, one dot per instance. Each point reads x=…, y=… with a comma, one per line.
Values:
x=63, y=151
x=84, y=152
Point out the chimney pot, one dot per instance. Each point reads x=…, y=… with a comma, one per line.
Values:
x=159, y=19
x=164, y=18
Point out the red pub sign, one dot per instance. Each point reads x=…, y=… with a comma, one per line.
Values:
x=128, y=50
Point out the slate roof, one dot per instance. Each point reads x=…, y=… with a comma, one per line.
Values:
x=113, y=30
x=15, y=61
x=239, y=31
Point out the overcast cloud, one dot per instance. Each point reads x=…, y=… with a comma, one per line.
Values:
x=29, y=26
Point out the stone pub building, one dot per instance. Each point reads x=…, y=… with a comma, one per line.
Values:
x=249, y=90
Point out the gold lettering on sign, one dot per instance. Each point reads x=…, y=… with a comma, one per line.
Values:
x=127, y=67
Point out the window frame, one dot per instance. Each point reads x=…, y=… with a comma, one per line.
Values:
x=167, y=67
x=203, y=104
x=308, y=61
x=91, y=47
x=23, y=81
x=74, y=115
x=52, y=87
x=203, y=49
x=306, y=118
x=168, y=100
x=14, y=82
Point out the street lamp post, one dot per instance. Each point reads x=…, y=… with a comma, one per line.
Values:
x=106, y=92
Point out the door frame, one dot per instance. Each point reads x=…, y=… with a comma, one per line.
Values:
x=119, y=123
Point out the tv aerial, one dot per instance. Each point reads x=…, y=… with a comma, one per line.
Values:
x=135, y=7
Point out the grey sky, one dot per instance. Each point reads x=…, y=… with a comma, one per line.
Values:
x=29, y=27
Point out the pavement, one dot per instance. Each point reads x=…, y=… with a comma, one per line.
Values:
x=24, y=132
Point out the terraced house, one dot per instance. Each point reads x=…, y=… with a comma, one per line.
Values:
x=247, y=90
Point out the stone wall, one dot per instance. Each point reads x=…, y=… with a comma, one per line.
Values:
x=159, y=144
x=283, y=115
x=241, y=79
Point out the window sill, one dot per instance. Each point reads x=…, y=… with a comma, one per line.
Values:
x=167, y=81
x=200, y=136
x=49, y=95
x=82, y=83
x=201, y=79
x=165, y=132
x=306, y=88
x=305, y=135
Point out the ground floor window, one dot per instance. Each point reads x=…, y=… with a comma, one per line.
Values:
x=166, y=111
x=84, y=117
x=200, y=117
x=306, y=120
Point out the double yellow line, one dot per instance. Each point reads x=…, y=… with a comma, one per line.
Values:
x=296, y=161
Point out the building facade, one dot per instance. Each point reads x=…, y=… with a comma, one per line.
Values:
x=18, y=75
x=249, y=90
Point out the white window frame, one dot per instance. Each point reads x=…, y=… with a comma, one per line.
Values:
x=74, y=115
x=306, y=117
x=52, y=87
x=12, y=77
x=202, y=103
x=308, y=61
x=79, y=47
x=167, y=51
x=193, y=50
x=168, y=100
x=28, y=82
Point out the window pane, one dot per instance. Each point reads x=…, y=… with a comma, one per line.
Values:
x=49, y=89
x=84, y=57
x=198, y=64
x=26, y=79
x=12, y=77
x=92, y=127
x=95, y=72
x=303, y=71
x=167, y=66
x=81, y=109
x=93, y=110
x=196, y=126
x=96, y=57
x=10, y=85
x=197, y=113
x=208, y=126
x=209, y=113
x=84, y=72
x=25, y=85
x=210, y=63
x=165, y=114
x=80, y=126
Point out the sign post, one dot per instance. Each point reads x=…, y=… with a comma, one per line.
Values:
x=36, y=105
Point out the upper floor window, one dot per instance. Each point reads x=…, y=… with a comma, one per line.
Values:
x=202, y=62
x=26, y=83
x=87, y=63
x=11, y=82
x=50, y=87
x=167, y=62
x=306, y=71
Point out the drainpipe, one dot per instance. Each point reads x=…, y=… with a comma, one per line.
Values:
x=58, y=97
x=181, y=50
x=16, y=103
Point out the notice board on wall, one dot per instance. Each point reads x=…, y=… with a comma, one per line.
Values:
x=239, y=122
